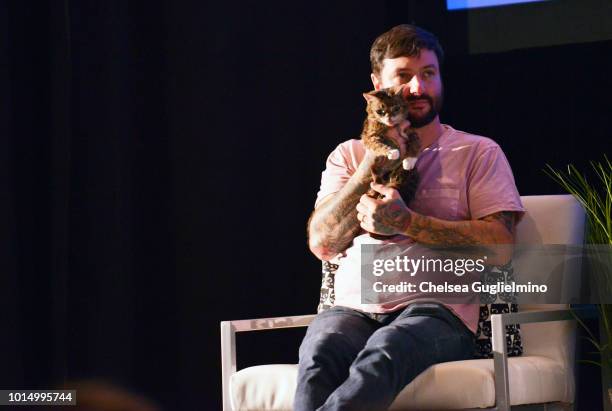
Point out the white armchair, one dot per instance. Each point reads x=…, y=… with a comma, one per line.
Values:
x=543, y=375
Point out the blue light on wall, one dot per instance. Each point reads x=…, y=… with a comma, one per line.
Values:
x=472, y=4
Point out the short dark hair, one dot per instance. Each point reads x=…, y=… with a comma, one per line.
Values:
x=403, y=40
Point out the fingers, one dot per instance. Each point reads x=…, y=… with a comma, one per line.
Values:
x=368, y=205
x=362, y=209
x=366, y=209
x=388, y=192
x=366, y=220
x=366, y=224
x=364, y=216
x=368, y=202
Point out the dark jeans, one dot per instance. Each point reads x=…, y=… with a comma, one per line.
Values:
x=350, y=360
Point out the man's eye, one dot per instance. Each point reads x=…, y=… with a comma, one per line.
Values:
x=428, y=74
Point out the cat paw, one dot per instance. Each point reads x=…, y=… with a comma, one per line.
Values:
x=409, y=162
x=393, y=154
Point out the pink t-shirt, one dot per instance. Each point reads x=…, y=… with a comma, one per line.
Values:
x=462, y=177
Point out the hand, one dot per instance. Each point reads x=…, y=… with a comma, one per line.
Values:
x=386, y=216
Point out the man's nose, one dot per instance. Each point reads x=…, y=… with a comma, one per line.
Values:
x=415, y=87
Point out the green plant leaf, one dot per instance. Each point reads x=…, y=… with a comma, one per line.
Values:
x=590, y=362
x=596, y=198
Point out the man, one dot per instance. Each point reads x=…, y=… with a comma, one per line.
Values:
x=360, y=356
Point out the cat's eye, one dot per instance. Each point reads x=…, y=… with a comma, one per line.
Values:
x=380, y=112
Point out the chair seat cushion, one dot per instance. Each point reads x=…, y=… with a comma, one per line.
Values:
x=451, y=385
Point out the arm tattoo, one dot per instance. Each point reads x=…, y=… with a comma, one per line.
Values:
x=504, y=217
x=430, y=230
x=333, y=225
x=392, y=219
x=434, y=231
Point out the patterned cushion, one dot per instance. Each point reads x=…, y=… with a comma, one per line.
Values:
x=490, y=304
x=328, y=295
x=497, y=304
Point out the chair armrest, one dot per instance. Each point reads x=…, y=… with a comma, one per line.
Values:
x=498, y=339
x=526, y=317
x=258, y=324
x=228, y=342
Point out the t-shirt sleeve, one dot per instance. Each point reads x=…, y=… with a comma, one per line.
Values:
x=338, y=170
x=491, y=186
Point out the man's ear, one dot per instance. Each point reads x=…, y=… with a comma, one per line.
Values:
x=376, y=82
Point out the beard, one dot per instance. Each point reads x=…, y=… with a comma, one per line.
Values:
x=421, y=120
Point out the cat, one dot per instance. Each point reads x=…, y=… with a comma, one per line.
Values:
x=387, y=111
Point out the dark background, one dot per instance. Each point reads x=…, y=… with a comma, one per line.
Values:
x=159, y=161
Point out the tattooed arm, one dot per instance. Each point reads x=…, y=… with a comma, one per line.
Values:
x=493, y=229
x=391, y=216
x=333, y=224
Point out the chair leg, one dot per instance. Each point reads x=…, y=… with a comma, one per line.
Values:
x=500, y=363
x=228, y=361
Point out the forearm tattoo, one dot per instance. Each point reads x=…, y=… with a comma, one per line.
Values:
x=507, y=218
x=392, y=219
x=333, y=225
x=431, y=230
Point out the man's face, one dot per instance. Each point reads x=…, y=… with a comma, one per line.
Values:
x=423, y=92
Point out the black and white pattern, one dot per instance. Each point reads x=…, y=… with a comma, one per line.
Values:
x=490, y=304
x=497, y=304
x=328, y=295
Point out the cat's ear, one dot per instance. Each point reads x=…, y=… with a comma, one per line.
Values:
x=404, y=90
x=398, y=89
x=369, y=97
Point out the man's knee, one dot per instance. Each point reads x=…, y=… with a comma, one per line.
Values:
x=319, y=345
x=394, y=337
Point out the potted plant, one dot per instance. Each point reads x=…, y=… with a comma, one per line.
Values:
x=596, y=198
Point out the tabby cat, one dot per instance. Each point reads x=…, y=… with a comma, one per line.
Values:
x=387, y=111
